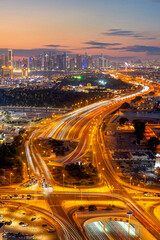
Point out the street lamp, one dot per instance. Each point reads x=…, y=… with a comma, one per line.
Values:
x=10, y=175
x=22, y=153
x=63, y=180
x=144, y=178
x=100, y=177
x=129, y=215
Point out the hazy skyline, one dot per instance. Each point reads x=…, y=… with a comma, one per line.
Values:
x=114, y=27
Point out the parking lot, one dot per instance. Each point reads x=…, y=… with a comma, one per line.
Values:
x=28, y=223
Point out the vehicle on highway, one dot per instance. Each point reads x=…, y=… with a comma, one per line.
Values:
x=8, y=223
x=25, y=225
x=44, y=225
x=21, y=223
x=50, y=230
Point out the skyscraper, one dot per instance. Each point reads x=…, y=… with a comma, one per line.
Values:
x=10, y=58
x=72, y=64
x=46, y=61
x=79, y=62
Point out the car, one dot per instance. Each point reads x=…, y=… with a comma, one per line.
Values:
x=21, y=223
x=25, y=225
x=29, y=196
x=145, y=193
x=50, y=230
x=44, y=225
x=8, y=223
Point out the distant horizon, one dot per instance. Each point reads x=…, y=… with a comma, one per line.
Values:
x=26, y=53
x=117, y=28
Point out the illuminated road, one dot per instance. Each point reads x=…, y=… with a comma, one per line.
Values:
x=113, y=230
x=82, y=125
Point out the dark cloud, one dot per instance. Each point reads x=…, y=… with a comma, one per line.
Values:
x=33, y=52
x=101, y=44
x=54, y=46
x=129, y=33
x=150, y=50
x=95, y=47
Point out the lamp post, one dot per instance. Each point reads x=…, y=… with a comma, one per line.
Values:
x=63, y=180
x=144, y=178
x=129, y=215
x=10, y=177
x=22, y=153
x=100, y=177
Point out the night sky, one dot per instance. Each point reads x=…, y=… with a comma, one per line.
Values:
x=114, y=27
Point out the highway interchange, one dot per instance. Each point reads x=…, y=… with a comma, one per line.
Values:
x=84, y=126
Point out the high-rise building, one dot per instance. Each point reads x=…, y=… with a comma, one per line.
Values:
x=17, y=64
x=24, y=71
x=101, y=61
x=10, y=58
x=62, y=62
x=31, y=63
x=85, y=61
x=7, y=72
x=46, y=61
x=3, y=57
x=79, y=62
x=51, y=63
x=90, y=62
x=72, y=64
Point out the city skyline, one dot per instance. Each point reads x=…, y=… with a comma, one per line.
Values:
x=118, y=29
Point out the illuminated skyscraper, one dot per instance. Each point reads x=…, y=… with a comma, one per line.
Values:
x=3, y=57
x=79, y=62
x=7, y=72
x=24, y=71
x=46, y=61
x=62, y=61
x=72, y=64
x=10, y=58
x=85, y=61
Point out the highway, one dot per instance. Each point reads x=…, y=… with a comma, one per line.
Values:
x=83, y=125
x=113, y=230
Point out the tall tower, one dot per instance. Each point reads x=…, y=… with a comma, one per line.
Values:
x=79, y=62
x=24, y=71
x=10, y=58
x=126, y=66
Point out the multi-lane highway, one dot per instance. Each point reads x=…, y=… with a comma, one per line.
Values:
x=113, y=230
x=83, y=125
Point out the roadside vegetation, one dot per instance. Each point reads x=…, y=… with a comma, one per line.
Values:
x=11, y=157
x=77, y=175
